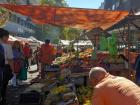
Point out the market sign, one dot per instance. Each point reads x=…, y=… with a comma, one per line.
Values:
x=69, y=17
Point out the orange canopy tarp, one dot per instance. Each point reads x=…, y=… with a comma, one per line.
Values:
x=71, y=17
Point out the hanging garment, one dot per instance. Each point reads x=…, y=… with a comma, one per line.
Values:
x=94, y=55
x=112, y=45
x=103, y=44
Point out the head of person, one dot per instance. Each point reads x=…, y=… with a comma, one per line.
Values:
x=16, y=45
x=4, y=35
x=26, y=44
x=96, y=75
x=47, y=41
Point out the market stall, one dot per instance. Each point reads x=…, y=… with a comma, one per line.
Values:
x=66, y=81
x=12, y=39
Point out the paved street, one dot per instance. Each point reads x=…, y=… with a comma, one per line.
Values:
x=13, y=94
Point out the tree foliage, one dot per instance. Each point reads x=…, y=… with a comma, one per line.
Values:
x=53, y=2
x=70, y=33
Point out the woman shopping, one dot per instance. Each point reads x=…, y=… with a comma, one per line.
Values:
x=18, y=61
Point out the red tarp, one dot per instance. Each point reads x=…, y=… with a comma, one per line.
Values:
x=71, y=17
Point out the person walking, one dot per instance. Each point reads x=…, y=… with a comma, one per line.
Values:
x=37, y=54
x=112, y=90
x=2, y=63
x=8, y=66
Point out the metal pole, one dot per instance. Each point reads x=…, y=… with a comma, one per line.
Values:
x=129, y=34
x=42, y=28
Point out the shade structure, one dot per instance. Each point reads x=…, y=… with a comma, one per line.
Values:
x=70, y=17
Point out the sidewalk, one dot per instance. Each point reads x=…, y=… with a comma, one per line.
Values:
x=13, y=95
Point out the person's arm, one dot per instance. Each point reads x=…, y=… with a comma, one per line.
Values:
x=10, y=57
x=10, y=62
x=97, y=98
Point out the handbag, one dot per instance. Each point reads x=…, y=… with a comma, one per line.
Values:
x=23, y=74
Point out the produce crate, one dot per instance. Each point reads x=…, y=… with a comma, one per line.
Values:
x=33, y=95
x=52, y=68
x=80, y=78
x=31, y=98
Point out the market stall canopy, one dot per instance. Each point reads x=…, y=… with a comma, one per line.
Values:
x=65, y=42
x=26, y=40
x=11, y=38
x=33, y=38
x=133, y=20
x=69, y=17
x=83, y=43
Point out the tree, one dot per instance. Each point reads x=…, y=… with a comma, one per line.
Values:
x=70, y=33
x=12, y=1
x=53, y=2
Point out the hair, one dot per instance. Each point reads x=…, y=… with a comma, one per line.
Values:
x=95, y=72
x=3, y=33
x=14, y=45
x=47, y=41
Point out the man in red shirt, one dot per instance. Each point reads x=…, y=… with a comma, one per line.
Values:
x=47, y=55
x=27, y=52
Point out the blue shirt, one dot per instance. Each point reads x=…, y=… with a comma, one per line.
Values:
x=17, y=54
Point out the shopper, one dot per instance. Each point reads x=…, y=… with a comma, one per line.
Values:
x=37, y=54
x=18, y=61
x=47, y=56
x=113, y=90
x=8, y=67
x=2, y=63
x=27, y=54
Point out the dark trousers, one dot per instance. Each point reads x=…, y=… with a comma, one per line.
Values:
x=7, y=75
x=27, y=62
x=42, y=71
x=4, y=88
x=1, y=75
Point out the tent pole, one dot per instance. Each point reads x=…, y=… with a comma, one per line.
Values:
x=129, y=66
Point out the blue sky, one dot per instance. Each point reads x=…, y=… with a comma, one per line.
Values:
x=85, y=3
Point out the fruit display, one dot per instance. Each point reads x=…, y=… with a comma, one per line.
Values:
x=60, y=94
x=86, y=53
x=64, y=59
x=58, y=90
x=84, y=95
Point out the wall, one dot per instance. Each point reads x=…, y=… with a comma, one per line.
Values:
x=122, y=5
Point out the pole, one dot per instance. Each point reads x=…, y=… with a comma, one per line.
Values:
x=129, y=34
x=42, y=28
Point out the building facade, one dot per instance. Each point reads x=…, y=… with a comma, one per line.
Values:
x=18, y=24
x=122, y=5
x=125, y=5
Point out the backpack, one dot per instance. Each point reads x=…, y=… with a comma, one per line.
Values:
x=2, y=56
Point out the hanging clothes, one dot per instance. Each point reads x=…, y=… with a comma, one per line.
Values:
x=112, y=45
x=94, y=54
x=103, y=44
